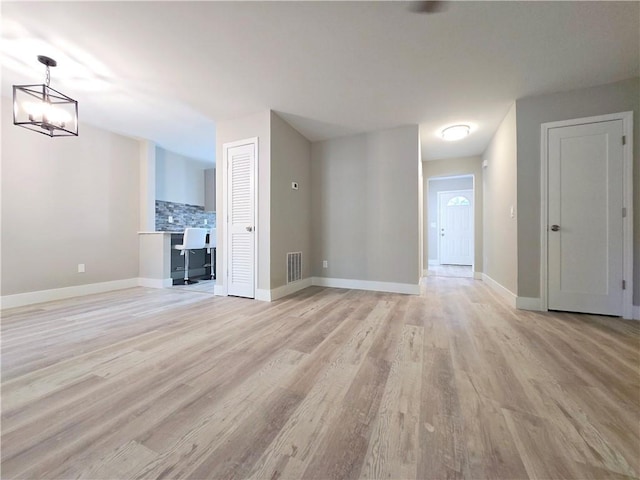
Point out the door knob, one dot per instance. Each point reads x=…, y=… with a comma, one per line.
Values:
x=555, y=228
x=249, y=229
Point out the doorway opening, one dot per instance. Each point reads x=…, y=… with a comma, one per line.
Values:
x=450, y=220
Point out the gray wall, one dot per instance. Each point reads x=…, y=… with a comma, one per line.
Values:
x=365, y=206
x=499, y=185
x=67, y=201
x=434, y=187
x=532, y=112
x=290, y=209
x=257, y=125
x=179, y=179
x=460, y=166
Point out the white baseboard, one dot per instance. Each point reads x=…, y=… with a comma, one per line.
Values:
x=406, y=288
x=425, y=272
x=276, y=293
x=220, y=290
x=504, y=292
x=477, y=275
x=528, y=303
x=434, y=262
x=30, y=298
x=155, y=282
x=290, y=288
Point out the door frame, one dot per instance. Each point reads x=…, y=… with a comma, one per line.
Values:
x=473, y=222
x=224, y=232
x=627, y=198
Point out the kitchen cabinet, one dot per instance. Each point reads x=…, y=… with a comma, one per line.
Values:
x=199, y=262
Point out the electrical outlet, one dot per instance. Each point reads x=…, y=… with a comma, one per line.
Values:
x=205, y=221
x=325, y=264
x=81, y=268
x=294, y=185
x=170, y=219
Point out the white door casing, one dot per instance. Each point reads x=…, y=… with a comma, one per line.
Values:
x=455, y=227
x=586, y=238
x=241, y=218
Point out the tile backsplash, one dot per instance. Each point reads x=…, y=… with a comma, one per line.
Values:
x=183, y=216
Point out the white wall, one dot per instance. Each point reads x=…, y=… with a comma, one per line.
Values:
x=365, y=206
x=257, y=125
x=290, y=209
x=67, y=201
x=179, y=179
x=460, y=166
x=436, y=186
x=500, y=239
x=532, y=112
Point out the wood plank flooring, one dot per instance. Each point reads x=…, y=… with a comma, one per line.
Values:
x=324, y=384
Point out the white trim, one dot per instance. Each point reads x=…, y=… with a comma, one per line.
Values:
x=220, y=290
x=288, y=289
x=406, y=288
x=225, y=192
x=528, y=303
x=30, y=298
x=627, y=192
x=425, y=272
x=155, y=282
x=451, y=177
x=627, y=224
x=504, y=292
x=478, y=275
x=636, y=312
x=263, y=295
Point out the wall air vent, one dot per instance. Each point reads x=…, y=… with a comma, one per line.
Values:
x=294, y=266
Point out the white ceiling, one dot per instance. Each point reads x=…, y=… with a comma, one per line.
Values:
x=168, y=71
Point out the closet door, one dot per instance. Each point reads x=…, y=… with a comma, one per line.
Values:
x=241, y=241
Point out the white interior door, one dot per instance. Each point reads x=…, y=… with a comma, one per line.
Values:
x=456, y=227
x=585, y=231
x=241, y=220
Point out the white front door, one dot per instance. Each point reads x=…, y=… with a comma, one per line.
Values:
x=456, y=227
x=241, y=161
x=585, y=231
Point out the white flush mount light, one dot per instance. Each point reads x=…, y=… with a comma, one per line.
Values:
x=455, y=132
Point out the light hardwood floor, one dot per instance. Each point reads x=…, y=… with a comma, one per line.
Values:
x=324, y=384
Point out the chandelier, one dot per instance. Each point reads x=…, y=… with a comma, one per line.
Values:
x=44, y=110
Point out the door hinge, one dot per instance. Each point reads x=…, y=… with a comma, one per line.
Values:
x=624, y=212
x=624, y=284
x=624, y=139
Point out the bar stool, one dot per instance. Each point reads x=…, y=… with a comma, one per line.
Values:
x=211, y=250
x=193, y=239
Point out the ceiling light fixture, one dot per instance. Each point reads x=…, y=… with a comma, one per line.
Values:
x=455, y=132
x=44, y=110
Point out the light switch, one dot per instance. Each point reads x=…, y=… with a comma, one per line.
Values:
x=170, y=219
x=512, y=212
